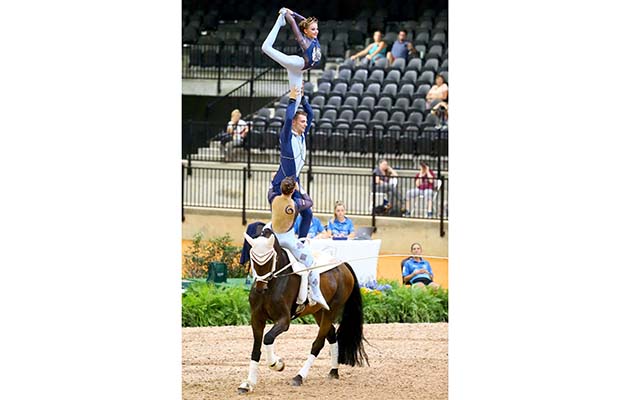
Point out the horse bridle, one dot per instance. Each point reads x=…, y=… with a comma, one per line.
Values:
x=262, y=260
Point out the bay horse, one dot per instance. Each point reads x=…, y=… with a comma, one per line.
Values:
x=274, y=297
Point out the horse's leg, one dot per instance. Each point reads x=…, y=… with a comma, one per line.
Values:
x=282, y=325
x=334, y=353
x=258, y=326
x=325, y=322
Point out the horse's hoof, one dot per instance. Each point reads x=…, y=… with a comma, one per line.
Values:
x=297, y=380
x=278, y=365
x=333, y=374
x=245, y=388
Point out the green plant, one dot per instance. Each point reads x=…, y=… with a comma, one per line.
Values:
x=196, y=259
x=201, y=253
x=205, y=304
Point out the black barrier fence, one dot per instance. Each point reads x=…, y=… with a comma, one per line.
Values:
x=230, y=62
x=356, y=148
x=270, y=83
x=239, y=189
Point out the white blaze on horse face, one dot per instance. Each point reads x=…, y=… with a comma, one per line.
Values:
x=271, y=240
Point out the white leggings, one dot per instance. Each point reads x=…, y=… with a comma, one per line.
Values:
x=293, y=64
x=301, y=251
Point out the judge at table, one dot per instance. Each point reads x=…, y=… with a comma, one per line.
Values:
x=315, y=231
x=340, y=226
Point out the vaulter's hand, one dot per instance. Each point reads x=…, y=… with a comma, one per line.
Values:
x=294, y=92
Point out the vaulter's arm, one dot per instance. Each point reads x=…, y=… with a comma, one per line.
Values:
x=285, y=134
x=309, y=114
x=294, y=19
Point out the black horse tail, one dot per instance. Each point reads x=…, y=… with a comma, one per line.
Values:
x=350, y=331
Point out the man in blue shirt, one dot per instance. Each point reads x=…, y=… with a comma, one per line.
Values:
x=401, y=48
x=314, y=230
x=416, y=271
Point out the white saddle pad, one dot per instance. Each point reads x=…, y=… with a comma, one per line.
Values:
x=320, y=258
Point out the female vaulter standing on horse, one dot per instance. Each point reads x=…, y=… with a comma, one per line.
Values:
x=276, y=288
x=306, y=36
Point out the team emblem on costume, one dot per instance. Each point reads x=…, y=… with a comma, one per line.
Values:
x=289, y=210
x=317, y=54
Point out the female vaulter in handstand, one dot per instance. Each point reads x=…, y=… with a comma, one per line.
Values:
x=306, y=36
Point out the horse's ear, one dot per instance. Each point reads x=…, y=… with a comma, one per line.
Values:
x=249, y=239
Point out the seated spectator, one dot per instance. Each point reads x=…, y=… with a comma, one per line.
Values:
x=416, y=271
x=438, y=92
x=424, y=187
x=401, y=48
x=386, y=182
x=439, y=115
x=374, y=51
x=340, y=226
x=315, y=231
x=234, y=135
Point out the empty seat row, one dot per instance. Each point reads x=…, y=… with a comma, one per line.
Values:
x=414, y=64
x=377, y=117
x=380, y=77
x=374, y=90
x=411, y=141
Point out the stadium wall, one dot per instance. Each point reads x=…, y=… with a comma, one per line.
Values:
x=396, y=234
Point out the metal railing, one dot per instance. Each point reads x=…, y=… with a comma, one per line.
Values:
x=268, y=83
x=228, y=61
x=201, y=141
x=246, y=190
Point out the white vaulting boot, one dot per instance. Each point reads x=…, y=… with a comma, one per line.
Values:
x=282, y=13
x=316, y=294
x=299, y=268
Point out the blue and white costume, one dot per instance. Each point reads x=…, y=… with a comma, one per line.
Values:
x=292, y=160
x=294, y=64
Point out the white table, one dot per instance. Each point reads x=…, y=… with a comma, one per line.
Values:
x=348, y=250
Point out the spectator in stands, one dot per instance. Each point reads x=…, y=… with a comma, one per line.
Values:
x=439, y=115
x=386, y=182
x=315, y=231
x=374, y=51
x=235, y=133
x=339, y=226
x=417, y=271
x=401, y=48
x=438, y=92
x=424, y=187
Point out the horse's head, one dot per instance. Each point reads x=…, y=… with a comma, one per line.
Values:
x=263, y=258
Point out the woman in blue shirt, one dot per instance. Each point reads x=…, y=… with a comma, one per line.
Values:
x=374, y=51
x=417, y=271
x=340, y=226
